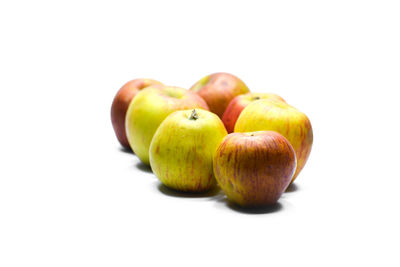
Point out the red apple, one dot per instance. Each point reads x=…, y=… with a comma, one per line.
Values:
x=236, y=106
x=218, y=90
x=254, y=168
x=121, y=103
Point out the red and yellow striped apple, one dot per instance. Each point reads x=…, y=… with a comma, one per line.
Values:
x=182, y=150
x=149, y=108
x=121, y=103
x=282, y=118
x=218, y=90
x=236, y=106
x=254, y=168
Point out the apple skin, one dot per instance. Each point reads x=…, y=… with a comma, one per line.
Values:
x=254, y=168
x=282, y=118
x=121, y=103
x=218, y=90
x=149, y=108
x=182, y=150
x=236, y=106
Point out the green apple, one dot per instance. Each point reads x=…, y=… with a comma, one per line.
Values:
x=182, y=149
x=149, y=108
x=282, y=118
x=254, y=168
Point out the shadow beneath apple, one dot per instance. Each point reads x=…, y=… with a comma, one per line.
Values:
x=173, y=193
x=254, y=210
x=126, y=150
x=292, y=188
x=143, y=167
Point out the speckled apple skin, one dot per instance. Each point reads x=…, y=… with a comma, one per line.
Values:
x=280, y=117
x=182, y=149
x=254, y=168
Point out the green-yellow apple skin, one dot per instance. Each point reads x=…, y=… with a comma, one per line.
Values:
x=254, y=168
x=218, y=90
x=182, y=149
x=149, y=108
x=236, y=106
x=280, y=117
x=121, y=103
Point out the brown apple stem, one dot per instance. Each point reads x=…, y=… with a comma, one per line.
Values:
x=194, y=115
x=256, y=98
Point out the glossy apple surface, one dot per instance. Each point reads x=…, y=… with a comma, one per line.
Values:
x=149, y=108
x=276, y=116
x=254, y=168
x=236, y=106
x=218, y=90
x=121, y=103
x=182, y=149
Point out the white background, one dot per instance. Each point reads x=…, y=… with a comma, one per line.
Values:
x=70, y=197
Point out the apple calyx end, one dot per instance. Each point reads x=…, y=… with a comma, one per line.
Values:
x=193, y=116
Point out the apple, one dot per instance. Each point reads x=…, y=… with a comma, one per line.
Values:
x=182, y=150
x=254, y=168
x=236, y=106
x=282, y=118
x=149, y=108
x=218, y=90
x=121, y=103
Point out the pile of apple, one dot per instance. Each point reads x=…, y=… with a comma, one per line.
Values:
x=183, y=135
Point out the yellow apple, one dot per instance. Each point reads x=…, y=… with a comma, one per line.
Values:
x=182, y=149
x=149, y=108
x=236, y=106
x=269, y=115
x=121, y=103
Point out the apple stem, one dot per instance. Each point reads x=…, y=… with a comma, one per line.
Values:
x=194, y=115
x=256, y=98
